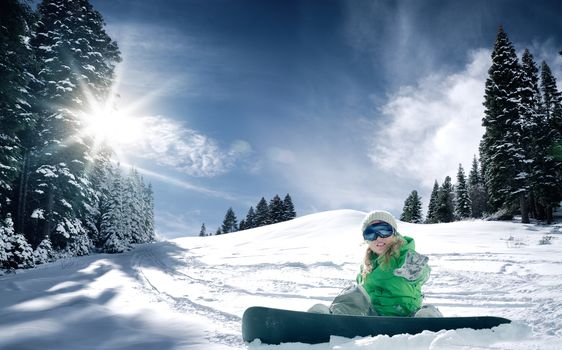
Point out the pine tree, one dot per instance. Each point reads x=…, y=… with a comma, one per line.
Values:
x=262, y=213
x=536, y=132
x=148, y=214
x=288, y=208
x=100, y=174
x=431, y=217
x=444, y=203
x=417, y=215
x=17, y=253
x=476, y=191
x=98, y=192
x=276, y=210
x=501, y=153
x=250, y=221
x=203, y=231
x=230, y=223
x=22, y=253
x=79, y=244
x=78, y=60
x=412, y=211
x=529, y=121
x=113, y=228
x=463, y=205
x=548, y=167
x=133, y=208
x=242, y=225
x=6, y=232
x=17, y=118
x=44, y=252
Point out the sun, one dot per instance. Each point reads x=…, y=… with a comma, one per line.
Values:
x=114, y=128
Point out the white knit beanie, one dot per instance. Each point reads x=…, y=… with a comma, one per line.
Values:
x=379, y=215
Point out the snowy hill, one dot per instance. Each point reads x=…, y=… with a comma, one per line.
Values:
x=190, y=293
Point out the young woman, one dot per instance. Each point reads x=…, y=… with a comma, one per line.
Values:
x=391, y=276
x=392, y=273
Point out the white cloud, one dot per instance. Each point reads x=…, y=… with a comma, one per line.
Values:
x=169, y=143
x=240, y=148
x=281, y=155
x=430, y=128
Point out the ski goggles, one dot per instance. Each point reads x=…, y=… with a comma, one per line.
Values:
x=379, y=229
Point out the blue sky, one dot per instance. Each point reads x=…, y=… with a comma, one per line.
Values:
x=342, y=104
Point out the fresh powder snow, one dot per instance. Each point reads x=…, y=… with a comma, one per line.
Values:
x=190, y=293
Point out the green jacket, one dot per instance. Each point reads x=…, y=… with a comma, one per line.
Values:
x=396, y=289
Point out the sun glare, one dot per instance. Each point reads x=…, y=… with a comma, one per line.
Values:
x=115, y=128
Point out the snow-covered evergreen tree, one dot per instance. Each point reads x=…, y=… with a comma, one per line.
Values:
x=533, y=135
x=548, y=141
x=250, y=221
x=79, y=243
x=444, y=204
x=463, y=206
x=262, y=213
x=44, y=252
x=412, y=211
x=276, y=210
x=78, y=60
x=17, y=252
x=503, y=158
x=6, y=232
x=133, y=207
x=22, y=253
x=476, y=191
x=99, y=191
x=230, y=223
x=17, y=117
x=242, y=225
x=288, y=208
x=203, y=231
x=431, y=217
x=113, y=228
x=148, y=214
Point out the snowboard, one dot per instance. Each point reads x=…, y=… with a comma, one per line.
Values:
x=275, y=326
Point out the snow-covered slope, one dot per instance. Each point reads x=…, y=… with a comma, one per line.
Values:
x=190, y=293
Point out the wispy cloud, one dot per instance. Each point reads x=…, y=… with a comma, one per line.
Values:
x=183, y=183
x=429, y=128
x=399, y=37
x=149, y=52
x=174, y=225
x=386, y=32
x=160, y=60
x=170, y=143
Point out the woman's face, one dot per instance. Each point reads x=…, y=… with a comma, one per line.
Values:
x=380, y=245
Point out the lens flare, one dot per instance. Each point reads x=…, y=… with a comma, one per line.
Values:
x=116, y=129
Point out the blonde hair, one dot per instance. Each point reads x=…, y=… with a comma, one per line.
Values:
x=384, y=259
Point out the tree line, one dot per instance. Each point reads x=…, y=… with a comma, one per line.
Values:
x=520, y=166
x=277, y=210
x=60, y=194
